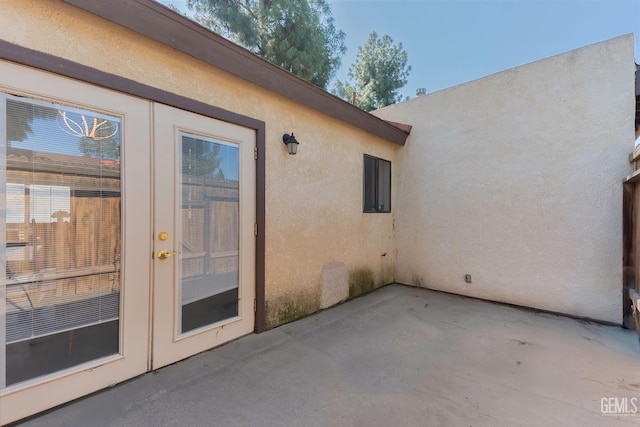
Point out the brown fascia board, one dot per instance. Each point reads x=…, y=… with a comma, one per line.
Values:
x=401, y=126
x=163, y=25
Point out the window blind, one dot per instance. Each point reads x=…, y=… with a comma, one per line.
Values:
x=63, y=237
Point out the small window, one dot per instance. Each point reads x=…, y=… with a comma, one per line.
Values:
x=377, y=184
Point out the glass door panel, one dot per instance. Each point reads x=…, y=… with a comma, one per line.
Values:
x=208, y=207
x=62, y=238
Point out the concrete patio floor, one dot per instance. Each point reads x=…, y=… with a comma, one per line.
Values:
x=399, y=356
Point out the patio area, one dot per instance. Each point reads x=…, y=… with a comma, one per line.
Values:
x=398, y=356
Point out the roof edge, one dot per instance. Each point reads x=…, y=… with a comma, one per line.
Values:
x=159, y=23
x=402, y=126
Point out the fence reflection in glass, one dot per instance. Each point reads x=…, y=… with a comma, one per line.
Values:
x=63, y=237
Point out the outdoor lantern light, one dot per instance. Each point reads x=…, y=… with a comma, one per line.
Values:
x=291, y=142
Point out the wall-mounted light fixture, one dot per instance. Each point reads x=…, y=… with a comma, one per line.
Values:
x=291, y=142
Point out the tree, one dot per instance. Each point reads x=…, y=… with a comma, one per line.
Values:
x=99, y=137
x=299, y=36
x=201, y=158
x=379, y=72
x=108, y=148
x=22, y=115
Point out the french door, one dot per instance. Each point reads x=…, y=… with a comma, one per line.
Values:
x=74, y=239
x=204, y=244
x=126, y=237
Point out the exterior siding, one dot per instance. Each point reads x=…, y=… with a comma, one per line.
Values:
x=516, y=179
x=313, y=201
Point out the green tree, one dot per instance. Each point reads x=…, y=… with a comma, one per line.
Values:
x=108, y=148
x=21, y=116
x=299, y=36
x=201, y=158
x=99, y=137
x=377, y=75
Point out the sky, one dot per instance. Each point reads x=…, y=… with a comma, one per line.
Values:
x=449, y=42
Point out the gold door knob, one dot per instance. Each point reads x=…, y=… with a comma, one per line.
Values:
x=164, y=254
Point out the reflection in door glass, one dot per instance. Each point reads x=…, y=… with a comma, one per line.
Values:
x=208, y=208
x=62, y=243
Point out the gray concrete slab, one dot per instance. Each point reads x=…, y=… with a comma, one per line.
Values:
x=399, y=356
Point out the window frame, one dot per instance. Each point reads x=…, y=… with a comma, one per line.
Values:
x=377, y=191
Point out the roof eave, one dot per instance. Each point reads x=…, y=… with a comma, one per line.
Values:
x=159, y=23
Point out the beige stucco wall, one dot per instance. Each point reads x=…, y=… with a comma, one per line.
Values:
x=516, y=179
x=317, y=238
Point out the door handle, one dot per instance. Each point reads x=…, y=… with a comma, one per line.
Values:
x=164, y=254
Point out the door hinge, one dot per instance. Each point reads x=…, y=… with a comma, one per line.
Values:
x=255, y=229
x=255, y=153
x=255, y=306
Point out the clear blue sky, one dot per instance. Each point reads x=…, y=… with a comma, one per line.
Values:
x=449, y=42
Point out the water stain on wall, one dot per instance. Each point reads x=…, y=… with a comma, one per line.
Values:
x=417, y=280
x=285, y=310
x=361, y=281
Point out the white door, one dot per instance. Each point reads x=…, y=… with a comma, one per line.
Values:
x=90, y=193
x=204, y=243
x=75, y=239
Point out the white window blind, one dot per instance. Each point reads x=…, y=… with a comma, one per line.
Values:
x=62, y=215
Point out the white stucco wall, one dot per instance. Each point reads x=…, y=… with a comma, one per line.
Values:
x=318, y=240
x=516, y=179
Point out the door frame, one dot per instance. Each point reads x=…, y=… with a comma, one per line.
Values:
x=64, y=68
x=74, y=70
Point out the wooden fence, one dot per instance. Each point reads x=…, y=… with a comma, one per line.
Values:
x=631, y=230
x=631, y=246
x=75, y=254
x=209, y=227
x=65, y=249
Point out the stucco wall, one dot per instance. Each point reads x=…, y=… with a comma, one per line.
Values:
x=317, y=237
x=516, y=179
